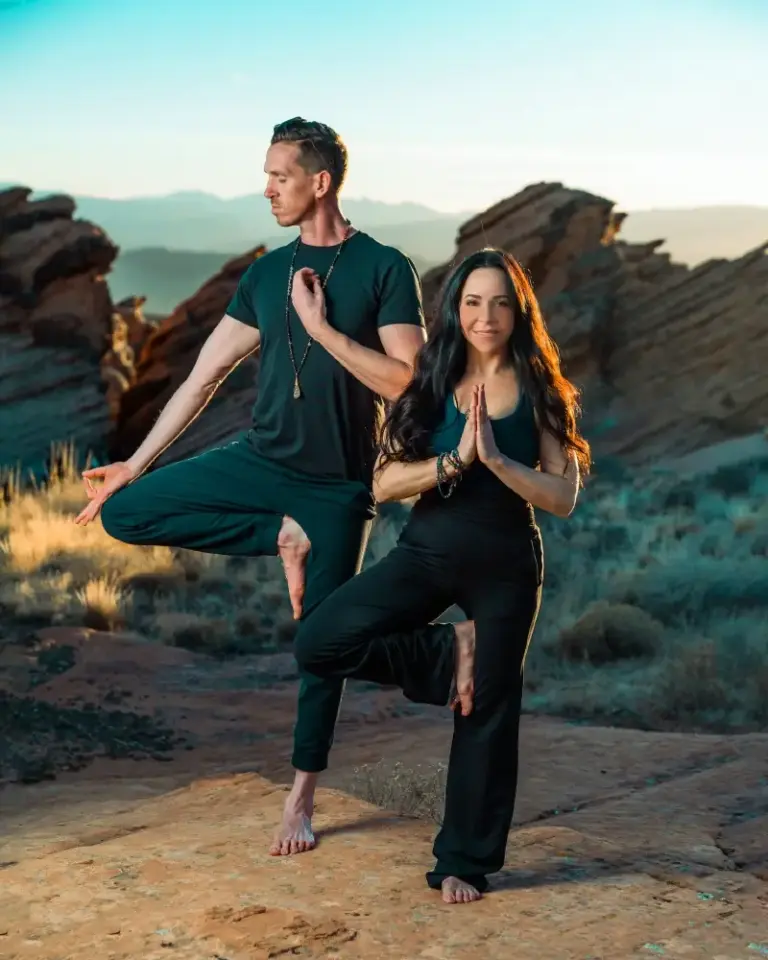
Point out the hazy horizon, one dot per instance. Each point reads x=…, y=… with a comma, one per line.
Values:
x=656, y=107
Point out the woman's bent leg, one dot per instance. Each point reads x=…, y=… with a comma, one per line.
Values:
x=376, y=627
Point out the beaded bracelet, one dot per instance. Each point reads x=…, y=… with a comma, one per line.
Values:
x=454, y=459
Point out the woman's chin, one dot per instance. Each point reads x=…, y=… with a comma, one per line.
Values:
x=489, y=346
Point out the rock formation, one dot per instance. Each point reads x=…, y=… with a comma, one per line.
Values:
x=669, y=359
x=166, y=358
x=55, y=327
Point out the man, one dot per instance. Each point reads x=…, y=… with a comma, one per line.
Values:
x=339, y=321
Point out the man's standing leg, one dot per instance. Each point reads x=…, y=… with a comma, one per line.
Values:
x=338, y=538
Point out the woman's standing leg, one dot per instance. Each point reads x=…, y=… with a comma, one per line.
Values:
x=482, y=773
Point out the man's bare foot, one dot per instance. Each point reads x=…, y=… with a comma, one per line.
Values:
x=294, y=835
x=457, y=891
x=465, y=667
x=292, y=547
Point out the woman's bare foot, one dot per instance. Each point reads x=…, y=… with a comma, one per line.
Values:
x=294, y=835
x=457, y=891
x=465, y=666
x=292, y=547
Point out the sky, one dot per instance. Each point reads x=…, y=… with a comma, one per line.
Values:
x=652, y=103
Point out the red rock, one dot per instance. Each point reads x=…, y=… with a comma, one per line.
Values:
x=55, y=327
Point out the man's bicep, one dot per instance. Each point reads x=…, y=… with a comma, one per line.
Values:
x=230, y=342
x=402, y=341
x=400, y=301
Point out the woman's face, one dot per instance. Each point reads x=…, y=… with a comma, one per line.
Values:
x=485, y=311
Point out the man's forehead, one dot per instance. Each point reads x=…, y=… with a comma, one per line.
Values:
x=281, y=158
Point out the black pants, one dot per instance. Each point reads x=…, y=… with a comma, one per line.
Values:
x=232, y=501
x=373, y=628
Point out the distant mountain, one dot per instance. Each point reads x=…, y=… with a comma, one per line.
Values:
x=201, y=222
x=166, y=242
x=700, y=233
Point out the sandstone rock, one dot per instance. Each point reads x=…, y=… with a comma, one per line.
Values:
x=625, y=843
x=167, y=357
x=32, y=258
x=55, y=326
x=19, y=213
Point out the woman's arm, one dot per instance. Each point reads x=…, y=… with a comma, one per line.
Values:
x=400, y=481
x=554, y=488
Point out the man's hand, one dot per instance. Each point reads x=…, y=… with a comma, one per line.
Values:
x=115, y=476
x=487, y=451
x=309, y=301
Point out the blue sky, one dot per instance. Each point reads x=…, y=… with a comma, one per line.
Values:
x=453, y=104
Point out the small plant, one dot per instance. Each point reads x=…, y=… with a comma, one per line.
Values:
x=606, y=632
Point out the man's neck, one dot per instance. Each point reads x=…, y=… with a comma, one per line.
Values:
x=326, y=227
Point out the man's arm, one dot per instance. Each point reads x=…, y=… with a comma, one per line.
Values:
x=387, y=374
x=230, y=342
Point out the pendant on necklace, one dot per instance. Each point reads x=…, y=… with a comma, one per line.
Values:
x=296, y=389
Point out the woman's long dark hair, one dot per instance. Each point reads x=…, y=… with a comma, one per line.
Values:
x=442, y=362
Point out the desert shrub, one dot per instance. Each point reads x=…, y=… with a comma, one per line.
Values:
x=610, y=631
x=732, y=481
x=416, y=791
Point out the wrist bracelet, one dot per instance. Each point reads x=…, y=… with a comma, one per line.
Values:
x=443, y=480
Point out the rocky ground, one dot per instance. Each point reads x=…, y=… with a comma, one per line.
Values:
x=626, y=843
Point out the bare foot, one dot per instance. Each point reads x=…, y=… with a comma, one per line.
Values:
x=457, y=891
x=294, y=835
x=293, y=546
x=465, y=667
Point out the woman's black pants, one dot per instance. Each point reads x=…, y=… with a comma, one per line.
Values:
x=376, y=627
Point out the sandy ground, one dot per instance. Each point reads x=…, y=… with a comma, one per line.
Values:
x=626, y=844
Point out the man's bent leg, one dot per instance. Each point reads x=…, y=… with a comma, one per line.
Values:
x=219, y=502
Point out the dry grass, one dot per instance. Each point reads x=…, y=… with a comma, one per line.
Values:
x=55, y=572
x=417, y=791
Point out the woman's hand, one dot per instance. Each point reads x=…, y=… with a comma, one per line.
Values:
x=487, y=451
x=468, y=443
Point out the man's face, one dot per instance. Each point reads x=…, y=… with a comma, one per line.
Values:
x=291, y=191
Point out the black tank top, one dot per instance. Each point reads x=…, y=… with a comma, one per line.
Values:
x=480, y=497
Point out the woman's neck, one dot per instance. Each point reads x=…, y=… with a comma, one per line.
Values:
x=482, y=365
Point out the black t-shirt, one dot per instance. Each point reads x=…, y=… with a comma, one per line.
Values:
x=331, y=432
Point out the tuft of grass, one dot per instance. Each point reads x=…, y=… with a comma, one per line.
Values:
x=103, y=604
x=408, y=791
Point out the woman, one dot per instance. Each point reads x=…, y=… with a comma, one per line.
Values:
x=485, y=432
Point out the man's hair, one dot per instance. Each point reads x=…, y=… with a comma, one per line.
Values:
x=320, y=147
